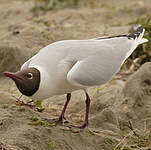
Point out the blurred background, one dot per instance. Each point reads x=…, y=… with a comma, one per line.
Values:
x=28, y=25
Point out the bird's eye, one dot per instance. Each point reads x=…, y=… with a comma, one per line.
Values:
x=29, y=75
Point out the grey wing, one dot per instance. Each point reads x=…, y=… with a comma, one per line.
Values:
x=94, y=70
x=98, y=68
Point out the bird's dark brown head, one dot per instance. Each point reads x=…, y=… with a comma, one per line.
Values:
x=27, y=80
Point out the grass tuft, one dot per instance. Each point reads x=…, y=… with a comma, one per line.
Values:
x=46, y=5
x=133, y=141
x=146, y=22
x=52, y=144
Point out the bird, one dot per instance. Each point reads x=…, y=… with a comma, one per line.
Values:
x=69, y=65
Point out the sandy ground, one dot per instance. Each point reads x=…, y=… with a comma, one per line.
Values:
x=23, y=33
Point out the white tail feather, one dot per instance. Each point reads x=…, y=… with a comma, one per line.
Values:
x=143, y=41
x=137, y=40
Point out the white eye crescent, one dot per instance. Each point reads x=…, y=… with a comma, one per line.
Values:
x=29, y=75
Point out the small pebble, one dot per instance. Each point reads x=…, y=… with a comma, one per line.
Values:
x=16, y=32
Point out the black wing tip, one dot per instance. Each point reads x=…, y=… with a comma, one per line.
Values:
x=136, y=33
x=140, y=28
x=109, y=37
x=133, y=35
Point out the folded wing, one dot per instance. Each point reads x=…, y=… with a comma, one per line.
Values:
x=100, y=67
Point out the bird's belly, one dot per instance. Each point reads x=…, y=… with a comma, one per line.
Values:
x=57, y=88
x=64, y=87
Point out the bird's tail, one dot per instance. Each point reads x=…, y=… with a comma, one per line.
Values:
x=137, y=38
x=144, y=40
x=137, y=35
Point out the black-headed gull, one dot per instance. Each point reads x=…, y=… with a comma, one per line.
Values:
x=69, y=65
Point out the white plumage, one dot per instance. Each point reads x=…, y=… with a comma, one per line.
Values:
x=70, y=65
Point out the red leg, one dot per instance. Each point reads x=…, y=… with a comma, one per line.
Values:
x=64, y=108
x=87, y=101
x=87, y=109
x=61, y=117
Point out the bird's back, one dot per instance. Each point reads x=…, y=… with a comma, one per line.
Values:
x=87, y=62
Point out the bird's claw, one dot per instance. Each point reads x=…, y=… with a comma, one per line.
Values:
x=60, y=120
x=84, y=126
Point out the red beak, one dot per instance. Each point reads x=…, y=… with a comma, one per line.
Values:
x=11, y=75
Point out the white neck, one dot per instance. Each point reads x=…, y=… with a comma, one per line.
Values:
x=44, y=86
